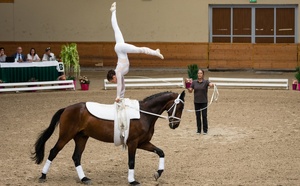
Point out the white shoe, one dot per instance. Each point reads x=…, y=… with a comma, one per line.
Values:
x=113, y=7
x=159, y=54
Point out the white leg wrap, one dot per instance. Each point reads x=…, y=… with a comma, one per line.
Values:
x=161, y=164
x=131, y=175
x=80, y=172
x=46, y=167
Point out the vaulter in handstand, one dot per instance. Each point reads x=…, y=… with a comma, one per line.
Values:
x=122, y=49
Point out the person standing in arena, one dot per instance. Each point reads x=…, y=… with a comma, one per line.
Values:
x=122, y=49
x=200, y=88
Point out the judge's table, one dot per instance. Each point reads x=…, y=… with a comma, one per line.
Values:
x=23, y=72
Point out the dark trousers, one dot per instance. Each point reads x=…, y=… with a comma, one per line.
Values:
x=199, y=106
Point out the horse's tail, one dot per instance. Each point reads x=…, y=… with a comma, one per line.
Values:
x=38, y=155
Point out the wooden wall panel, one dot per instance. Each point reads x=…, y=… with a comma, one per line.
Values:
x=180, y=55
x=7, y=1
x=91, y=53
x=230, y=56
x=274, y=56
x=175, y=54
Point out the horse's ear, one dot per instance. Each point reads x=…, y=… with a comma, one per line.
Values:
x=182, y=95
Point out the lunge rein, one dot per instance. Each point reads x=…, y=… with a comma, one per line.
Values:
x=176, y=102
x=214, y=97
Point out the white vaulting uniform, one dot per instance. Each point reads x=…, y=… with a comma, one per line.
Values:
x=122, y=49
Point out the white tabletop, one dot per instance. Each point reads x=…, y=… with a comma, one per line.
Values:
x=29, y=64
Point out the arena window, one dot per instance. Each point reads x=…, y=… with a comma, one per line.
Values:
x=253, y=24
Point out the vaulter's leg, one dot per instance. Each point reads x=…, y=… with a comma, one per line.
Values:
x=125, y=48
x=53, y=153
x=129, y=48
x=152, y=148
x=80, y=142
x=118, y=34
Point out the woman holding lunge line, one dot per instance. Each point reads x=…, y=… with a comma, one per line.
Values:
x=122, y=49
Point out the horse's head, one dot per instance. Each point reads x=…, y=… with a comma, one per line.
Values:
x=175, y=109
x=171, y=102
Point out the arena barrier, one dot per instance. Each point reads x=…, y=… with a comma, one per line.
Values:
x=39, y=85
x=250, y=82
x=148, y=82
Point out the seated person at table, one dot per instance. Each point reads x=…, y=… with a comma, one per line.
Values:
x=19, y=57
x=2, y=54
x=48, y=56
x=32, y=56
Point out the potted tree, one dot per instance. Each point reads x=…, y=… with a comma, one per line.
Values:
x=297, y=76
x=192, y=74
x=70, y=58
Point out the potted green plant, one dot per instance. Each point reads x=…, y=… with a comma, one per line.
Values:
x=297, y=76
x=71, y=78
x=192, y=74
x=70, y=58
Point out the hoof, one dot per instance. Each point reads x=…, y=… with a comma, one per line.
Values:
x=134, y=183
x=86, y=181
x=42, y=179
x=158, y=174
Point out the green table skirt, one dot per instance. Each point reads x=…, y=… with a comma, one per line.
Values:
x=23, y=74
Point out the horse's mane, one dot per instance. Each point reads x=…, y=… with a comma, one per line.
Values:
x=155, y=96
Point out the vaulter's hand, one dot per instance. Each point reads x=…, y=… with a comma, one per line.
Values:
x=117, y=100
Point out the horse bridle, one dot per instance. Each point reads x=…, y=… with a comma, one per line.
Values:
x=176, y=102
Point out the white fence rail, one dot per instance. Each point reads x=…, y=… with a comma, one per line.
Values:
x=250, y=82
x=39, y=85
x=149, y=82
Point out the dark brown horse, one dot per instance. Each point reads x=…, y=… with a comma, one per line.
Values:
x=78, y=124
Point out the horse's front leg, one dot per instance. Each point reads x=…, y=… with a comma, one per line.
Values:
x=131, y=161
x=152, y=148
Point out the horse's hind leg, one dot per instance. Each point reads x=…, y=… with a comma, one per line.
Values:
x=53, y=153
x=152, y=148
x=80, y=142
